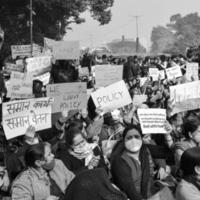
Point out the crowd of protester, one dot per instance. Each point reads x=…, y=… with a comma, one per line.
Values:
x=90, y=154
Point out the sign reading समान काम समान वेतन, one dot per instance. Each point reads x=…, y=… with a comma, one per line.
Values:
x=112, y=97
x=19, y=115
x=68, y=96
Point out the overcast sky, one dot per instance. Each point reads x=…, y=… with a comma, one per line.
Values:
x=151, y=12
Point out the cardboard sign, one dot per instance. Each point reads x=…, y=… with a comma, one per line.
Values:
x=38, y=65
x=25, y=50
x=112, y=97
x=21, y=86
x=152, y=120
x=154, y=73
x=107, y=74
x=185, y=97
x=139, y=99
x=66, y=50
x=45, y=78
x=173, y=72
x=68, y=96
x=192, y=70
x=19, y=115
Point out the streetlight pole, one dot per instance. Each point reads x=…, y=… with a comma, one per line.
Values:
x=31, y=26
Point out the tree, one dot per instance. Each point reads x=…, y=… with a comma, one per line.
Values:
x=162, y=39
x=51, y=18
x=180, y=33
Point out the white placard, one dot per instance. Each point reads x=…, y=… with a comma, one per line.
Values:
x=66, y=50
x=68, y=96
x=152, y=121
x=173, y=72
x=19, y=115
x=192, y=70
x=21, y=86
x=107, y=74
x=185, y=96
x=112, y=97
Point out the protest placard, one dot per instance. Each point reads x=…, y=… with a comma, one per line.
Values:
x=143, y=80
x=44, y=78
x=164, y=194
x=9, y=67
x=25, y=50
x=68, y=96
x=38, y=65
x=192, y=71
x=21, y=86
x=112, y=97
x=66, y=50
x=185, y=97
x=152, y=120
x=139, y=99
x=107, y=74
x=19, y=115
x=173, y=72
x=154, y=73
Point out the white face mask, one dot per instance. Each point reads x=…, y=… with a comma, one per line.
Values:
x=133, y=145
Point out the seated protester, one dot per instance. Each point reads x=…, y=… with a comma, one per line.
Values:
x=132, y=166
x=45, y=177
x=191, y=131
x=78, y=154
x=15, y=155
x=189, y=187
x=93, y=185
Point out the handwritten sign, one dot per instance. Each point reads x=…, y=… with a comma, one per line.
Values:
x=192, y=70
x=21, y=86
x=173, y=72
x=66, y=50
x=9, y=67
x=25, y=50
x=152, y=120
x=107, y=74
x=154, y=73
x=112, y=97
x=19, y=115
x=68, y=96
x=143, y=81
x=44, y=78
x=185, y=96
x=38, y=65
x=139, y=99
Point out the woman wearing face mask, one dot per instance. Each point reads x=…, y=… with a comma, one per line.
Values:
x=78, y=154
x=189, y=187
x=45, y=178
x=132, y=168
x=191, y=131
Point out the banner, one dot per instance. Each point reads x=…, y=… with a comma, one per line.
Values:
x=107, y=74
x=21, y=86
x=192, y=70
x=68, y=96
x=38, y=65
x=152, y=121
x=19, y=115
x=139, y=99
x=25, y=50
x=112, y=97
x=173, y=72
x=66, y=50
x=185, y=97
